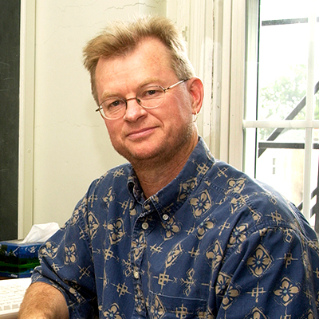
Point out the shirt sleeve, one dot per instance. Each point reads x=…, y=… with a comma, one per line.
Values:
x=66, y=264
x=271, y=274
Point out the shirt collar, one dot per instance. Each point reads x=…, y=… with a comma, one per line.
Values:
x=173, y=195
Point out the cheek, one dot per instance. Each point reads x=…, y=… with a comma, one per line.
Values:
x=112, y=129
x=181, y=110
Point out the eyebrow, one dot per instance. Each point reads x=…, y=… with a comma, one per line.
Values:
x=144, y=83
x=107, y=95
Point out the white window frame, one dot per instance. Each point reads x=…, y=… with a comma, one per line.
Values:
x=215, y=33
x=195, y=20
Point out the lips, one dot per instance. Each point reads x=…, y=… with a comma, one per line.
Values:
x=140, y=133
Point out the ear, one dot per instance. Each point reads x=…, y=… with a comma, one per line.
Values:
x=196, y=89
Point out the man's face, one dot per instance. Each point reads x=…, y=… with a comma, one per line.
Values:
x=146, y=135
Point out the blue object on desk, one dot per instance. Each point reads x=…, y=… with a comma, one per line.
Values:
x=17, y=259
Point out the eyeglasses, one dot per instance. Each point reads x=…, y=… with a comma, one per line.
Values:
x=149, y=97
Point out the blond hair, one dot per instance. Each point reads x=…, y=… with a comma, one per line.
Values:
x=120, y=38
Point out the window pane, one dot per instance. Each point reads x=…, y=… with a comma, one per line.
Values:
x=281, y=165
x=283, y=54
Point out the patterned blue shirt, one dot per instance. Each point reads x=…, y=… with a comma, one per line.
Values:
x=211, y=244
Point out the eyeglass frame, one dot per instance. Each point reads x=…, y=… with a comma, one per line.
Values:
x=100, y=108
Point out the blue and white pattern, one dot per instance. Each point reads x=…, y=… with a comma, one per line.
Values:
x=211, y=244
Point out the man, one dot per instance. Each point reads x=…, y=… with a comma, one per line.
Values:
x=174, y=233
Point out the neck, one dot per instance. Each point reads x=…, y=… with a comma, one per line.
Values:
x=155, y=174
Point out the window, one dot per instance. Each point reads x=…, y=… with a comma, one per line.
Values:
x=281, y=116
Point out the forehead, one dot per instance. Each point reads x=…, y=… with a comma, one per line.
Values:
x=150, y=58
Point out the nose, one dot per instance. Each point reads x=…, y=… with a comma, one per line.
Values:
x=133, y=110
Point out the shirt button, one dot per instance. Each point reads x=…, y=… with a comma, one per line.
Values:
x=145, y=226
x=165, y=217
x=136, y=275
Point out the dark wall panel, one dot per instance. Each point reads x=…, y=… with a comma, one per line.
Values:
x=9, y=116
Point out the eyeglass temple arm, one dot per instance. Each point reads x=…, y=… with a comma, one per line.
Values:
x=170, y=87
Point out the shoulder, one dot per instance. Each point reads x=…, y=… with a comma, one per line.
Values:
x=249, y=200
x=236, y=184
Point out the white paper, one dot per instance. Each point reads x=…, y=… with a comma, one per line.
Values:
x=41, y=232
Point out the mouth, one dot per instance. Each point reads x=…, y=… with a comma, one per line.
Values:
x=140, y=133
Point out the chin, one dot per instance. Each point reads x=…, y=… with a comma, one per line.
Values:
x=133, y=156
x=144, y=159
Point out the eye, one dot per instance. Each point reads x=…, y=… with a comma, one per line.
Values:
x=151, y=92
x=112, y=105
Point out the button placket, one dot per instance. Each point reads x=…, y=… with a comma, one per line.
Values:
x=143, y=225
x=137, y=252
x=146, y=221
x=136, y=275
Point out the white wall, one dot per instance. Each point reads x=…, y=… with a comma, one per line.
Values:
x=64, y=144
